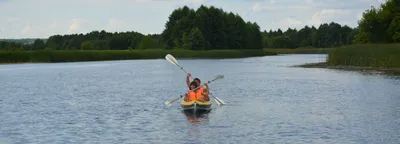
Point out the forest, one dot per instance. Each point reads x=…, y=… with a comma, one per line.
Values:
x=211, y=28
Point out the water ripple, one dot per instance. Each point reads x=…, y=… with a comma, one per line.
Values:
x=268, y=102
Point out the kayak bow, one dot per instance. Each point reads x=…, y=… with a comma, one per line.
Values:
x=196, y=106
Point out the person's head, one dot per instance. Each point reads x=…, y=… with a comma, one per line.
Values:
x=197, y=80
x=193, y=85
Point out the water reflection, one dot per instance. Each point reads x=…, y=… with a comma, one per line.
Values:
x=198, y=117
x=267, y=103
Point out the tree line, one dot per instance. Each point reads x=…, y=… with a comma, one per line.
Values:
x=325, y=36
x=380, y=25
x=22, y=40
x=212, y=28
x=95, y=40
x=209, y=28
x=202, y=29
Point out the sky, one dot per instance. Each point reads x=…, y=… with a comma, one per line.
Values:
x=44, y=18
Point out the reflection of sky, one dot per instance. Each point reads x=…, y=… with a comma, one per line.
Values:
x=122, y=101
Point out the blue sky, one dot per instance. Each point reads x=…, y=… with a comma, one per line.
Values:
x=43, y=18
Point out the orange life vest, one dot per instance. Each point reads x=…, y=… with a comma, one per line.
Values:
x=196, y=95
x=199, y=94
x=201, y=89
x=191, y=96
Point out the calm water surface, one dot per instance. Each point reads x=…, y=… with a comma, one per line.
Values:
x=267, y=102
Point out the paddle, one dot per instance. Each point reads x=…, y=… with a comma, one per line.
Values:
x=169, y=102
x=172, y=60
x=218, y=103
x=218, y=100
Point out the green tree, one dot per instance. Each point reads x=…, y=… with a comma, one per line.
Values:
x=2, y=45
x=394, y=29
x=100, y=44
x=253, y=37
x=375, y=22
x=87, y=45
x=38, y=44
x=186, y=44
x=304, y=37
x=327, y=35
x=55, y=42
x=100, y=40
x=220, y=30
x=351, y=36
x=178, y=22
x=196, y=39
x=147, y=42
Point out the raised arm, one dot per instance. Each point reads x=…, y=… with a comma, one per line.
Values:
x=187, y=80
x=206, y=89
x=206, y=92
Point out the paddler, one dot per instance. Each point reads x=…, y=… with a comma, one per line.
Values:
x=201, y=95
x=198, y=82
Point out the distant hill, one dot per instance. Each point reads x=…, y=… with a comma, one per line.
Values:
x=23, y=41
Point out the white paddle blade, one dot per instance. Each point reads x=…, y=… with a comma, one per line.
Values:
x=218, y=100
x=218, y=103
x=221, y=101
x=168, y=103
x=171, y=59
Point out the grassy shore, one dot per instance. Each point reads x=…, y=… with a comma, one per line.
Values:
x=300, y=50
x=100, y=55
x=366, y=55
x=363, y=57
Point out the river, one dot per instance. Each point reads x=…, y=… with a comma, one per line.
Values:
x=267, y=102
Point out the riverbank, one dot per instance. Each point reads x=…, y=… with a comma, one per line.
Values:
x=363, y=57
x=102, y=55
x=300, y=50
x=366, y=55
x=391, y=71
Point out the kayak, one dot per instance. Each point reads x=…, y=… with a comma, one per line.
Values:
x=196, y=106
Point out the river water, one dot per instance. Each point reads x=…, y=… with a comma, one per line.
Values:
x=267, y=102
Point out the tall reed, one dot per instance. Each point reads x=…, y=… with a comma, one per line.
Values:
x=366, y=55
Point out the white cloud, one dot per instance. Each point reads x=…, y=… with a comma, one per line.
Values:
x=142, y=1
x=114, y=24
x=53, y=24
x=299, y=7
x=272, y=1
x=310, y=2
x=26, y=28
x=13, y=19
x=289, y=22
x=266, y=6
x=194, y=1
x=61, y=16
x=327, y=15
x=256, y=7
x=359, y=16
x=75, y=26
